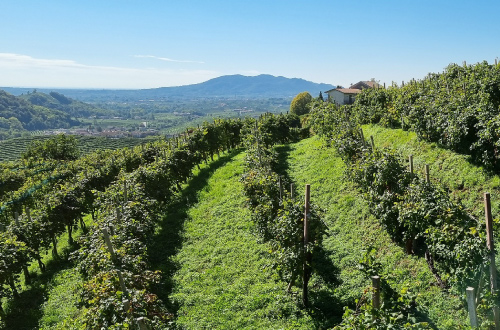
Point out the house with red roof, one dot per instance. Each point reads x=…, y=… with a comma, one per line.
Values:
x=343, y=96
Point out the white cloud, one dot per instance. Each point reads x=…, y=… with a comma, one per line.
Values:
x=167, y=59
x=25, y=71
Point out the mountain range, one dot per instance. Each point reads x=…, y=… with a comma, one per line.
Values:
x=231, y=86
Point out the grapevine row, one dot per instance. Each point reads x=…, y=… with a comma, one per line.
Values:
x=279, y=216
x=417, y=214
x=458, y=108
x=60, y=208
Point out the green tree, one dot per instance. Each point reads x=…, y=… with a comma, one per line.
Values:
x=320, y=97
x=300, y=103
x=60, y=147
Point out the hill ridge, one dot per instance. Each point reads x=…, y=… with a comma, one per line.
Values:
x=227, y=86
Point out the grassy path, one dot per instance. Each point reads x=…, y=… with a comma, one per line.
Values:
x=352, y=230
x=223, y=278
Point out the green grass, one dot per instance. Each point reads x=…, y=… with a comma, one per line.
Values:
x=352, y=230
x=223, y=279
x=466, y=181
x=216, y=274
x=61, y=306
x=52, y=297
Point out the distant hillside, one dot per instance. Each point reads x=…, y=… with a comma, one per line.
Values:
x=233, y=86
x=17, y=114
x=57, y=101
x=238, y=85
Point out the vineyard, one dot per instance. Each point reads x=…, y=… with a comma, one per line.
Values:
x=375, y=222
x=12, y=149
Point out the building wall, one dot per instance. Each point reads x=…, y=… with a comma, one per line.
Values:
x=338, y=97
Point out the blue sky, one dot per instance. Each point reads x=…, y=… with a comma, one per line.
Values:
x=147, y=44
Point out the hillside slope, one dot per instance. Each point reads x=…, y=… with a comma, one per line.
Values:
x=57, y=101
x=252, y=86
x=466, y=181
x=17, y=114
x=352, y=232
x=224, y=279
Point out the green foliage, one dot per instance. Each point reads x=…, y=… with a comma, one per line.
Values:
x=459, y=109
x=352, y=230
x=278, y=217
x=373, y=105
x=23, y=115
x=333, y=123
x=300, y=104
x=410, y=209
x=395, y=316
x=59, y=102
x=383, y=179
x=58, y=199
x=60, y=147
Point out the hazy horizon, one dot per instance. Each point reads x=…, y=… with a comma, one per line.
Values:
x=84, y=88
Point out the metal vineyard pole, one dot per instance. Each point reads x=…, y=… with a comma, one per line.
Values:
x=471, y=305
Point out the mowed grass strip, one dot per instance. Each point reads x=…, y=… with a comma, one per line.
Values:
x=352, y=231
x=224, y=278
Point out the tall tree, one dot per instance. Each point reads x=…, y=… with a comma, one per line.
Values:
x=300, y=103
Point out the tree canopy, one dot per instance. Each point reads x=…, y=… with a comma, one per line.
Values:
x=300, y=103
x=60, y=147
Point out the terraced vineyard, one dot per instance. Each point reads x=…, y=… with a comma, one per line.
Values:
x=12, y=149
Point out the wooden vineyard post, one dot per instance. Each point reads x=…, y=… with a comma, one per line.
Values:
x=471, y=306
x=362, y=137
x=291, y=191
x=122, y=283
x=373, y=143
x=108, y=243
x=491, y=247
x=125, y=193
x=427, y=174
x=281, y=188
x=118, y=214
x=376, y=291
x=113, y=258
x=411, y=164
x=307, y=255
